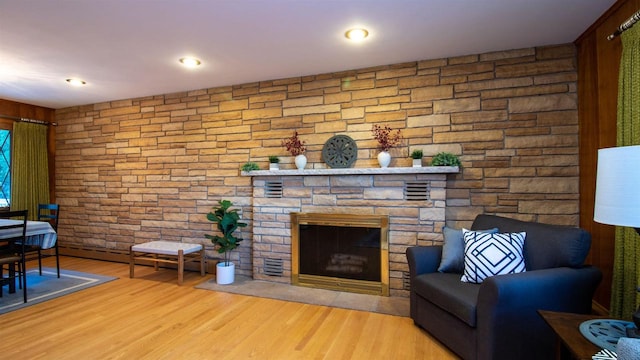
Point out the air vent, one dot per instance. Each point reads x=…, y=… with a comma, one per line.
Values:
x=406, y=281
x=273, y=189
x=273, y=267
x=416, y=190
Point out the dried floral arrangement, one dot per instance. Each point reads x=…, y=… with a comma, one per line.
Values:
x=386, y=137
x=294, y=145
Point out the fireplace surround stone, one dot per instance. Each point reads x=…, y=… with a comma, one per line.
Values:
x=414, y=199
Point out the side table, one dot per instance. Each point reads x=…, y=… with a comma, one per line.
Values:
x=567, y=328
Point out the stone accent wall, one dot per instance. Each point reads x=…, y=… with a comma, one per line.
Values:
x=150, y=168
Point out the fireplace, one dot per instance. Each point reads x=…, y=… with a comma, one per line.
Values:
x=345, y=252
x=413, y=200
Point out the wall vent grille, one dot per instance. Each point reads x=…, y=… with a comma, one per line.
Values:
x=406, y=281
x=273, y=189
x=416, y=190
x=273, y=267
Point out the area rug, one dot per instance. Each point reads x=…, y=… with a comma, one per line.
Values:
x=244, y=285
x=48, y=286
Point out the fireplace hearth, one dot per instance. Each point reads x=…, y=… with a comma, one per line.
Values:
x=343, y=252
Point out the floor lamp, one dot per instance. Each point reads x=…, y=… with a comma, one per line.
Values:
x=618, y=193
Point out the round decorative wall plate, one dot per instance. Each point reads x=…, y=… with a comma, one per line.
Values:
x=340, y=151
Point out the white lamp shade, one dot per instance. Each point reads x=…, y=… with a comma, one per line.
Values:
x=618, y=187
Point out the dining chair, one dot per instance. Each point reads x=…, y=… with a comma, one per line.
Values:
x=13, y=252
x=49, y=213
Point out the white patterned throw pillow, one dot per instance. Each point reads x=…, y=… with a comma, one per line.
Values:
x=487, y=255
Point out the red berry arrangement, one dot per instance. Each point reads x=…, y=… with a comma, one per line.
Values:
x=294, y=145
x=386, y=137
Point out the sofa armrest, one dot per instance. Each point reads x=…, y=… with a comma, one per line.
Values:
x=508, y=321
x=423, y=259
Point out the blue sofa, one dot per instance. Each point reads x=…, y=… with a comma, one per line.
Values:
x=498, y=318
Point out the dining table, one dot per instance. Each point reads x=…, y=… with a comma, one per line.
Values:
x=39, y=233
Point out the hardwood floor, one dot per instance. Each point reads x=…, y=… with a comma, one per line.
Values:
x=151, y=317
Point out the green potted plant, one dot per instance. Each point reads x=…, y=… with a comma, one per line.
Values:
x=227, y=221
x=250, y=166
x=273, y=162
x=445, y=159
x=416, y=155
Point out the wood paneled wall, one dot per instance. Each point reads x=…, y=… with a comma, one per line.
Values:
x=12, y=108
x=598, y=65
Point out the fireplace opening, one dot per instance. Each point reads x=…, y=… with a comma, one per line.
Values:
x=341, y=252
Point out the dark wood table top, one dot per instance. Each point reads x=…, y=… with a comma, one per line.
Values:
x=567, y=327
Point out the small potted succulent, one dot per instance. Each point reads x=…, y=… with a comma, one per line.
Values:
x=387, y=138
x=274, y=162
x=296, y=148
x=416, y=155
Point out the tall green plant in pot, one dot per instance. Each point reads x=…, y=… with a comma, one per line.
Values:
x=227, y=221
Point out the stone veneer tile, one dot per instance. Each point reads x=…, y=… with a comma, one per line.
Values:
x=456, y=105
x=543, y=103
x=324, y=200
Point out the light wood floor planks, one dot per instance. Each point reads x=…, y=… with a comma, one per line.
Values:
x=151, y=317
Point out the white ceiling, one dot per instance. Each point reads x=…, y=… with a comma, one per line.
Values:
x=130, y=48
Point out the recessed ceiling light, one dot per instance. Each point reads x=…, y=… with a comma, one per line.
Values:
x=190, y=62
x=357, y=34
x=76, y=82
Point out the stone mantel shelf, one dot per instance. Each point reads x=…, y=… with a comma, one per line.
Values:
x=356, y=171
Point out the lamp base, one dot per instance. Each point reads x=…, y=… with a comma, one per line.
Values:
x=635, y=333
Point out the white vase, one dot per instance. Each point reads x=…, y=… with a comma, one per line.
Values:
x=417, y=162
x=384, y=159
x=274, y=166
x=301, y=161
x=225, y=274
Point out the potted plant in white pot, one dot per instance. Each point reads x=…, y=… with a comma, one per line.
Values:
x=227, y=221
x=274, y=162
x=416, y=155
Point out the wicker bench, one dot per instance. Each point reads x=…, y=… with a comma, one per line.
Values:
x=167, y=252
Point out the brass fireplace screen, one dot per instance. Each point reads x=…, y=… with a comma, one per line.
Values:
x=345, y=252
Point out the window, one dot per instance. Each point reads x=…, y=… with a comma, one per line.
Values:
x=5, y=168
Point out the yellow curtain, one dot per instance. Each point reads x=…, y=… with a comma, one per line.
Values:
x=29, y=167
x=626, y=271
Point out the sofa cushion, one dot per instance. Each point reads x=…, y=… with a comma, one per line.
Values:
x=453, y=250
x=446, y=291
x=488, y=255
x=546, y=246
